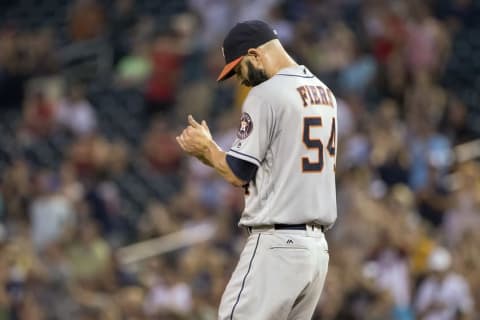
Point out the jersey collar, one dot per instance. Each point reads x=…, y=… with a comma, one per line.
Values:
x=298, y=71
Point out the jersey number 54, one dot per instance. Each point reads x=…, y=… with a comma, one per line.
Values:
x=316, y=166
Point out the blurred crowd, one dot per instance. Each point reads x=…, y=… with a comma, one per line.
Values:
x=404, y=245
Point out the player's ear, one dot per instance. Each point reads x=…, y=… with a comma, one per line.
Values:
x=256, y=57
x=254, y=53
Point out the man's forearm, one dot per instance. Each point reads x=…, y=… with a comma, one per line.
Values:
x=215, y=157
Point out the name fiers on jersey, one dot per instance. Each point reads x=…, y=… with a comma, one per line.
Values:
x=314, y=95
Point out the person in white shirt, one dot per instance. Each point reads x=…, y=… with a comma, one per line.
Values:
x=443, y=295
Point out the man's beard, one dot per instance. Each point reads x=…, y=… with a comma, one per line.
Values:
x=255, y=76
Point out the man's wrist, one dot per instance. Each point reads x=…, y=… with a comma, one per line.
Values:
x=212, y=151
x=209, y=153
x=215, y=157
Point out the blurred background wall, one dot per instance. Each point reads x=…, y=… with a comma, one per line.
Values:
x=93, y=92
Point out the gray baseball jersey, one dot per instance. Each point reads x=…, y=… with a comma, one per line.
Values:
x=288, y=129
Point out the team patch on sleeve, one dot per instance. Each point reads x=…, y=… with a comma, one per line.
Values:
x=246, y=126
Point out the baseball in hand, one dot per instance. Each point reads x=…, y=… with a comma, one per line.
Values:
x=195, y=138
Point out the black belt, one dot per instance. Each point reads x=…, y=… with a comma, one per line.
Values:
x=281, y=226
x=300, y=226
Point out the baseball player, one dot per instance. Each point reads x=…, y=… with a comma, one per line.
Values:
x=284, y=156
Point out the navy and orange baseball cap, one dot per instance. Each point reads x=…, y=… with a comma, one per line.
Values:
x=243, y=36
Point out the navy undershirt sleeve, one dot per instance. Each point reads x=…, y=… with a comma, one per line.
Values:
x=244, y=170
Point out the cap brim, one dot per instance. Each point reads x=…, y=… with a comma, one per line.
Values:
x=227, y=71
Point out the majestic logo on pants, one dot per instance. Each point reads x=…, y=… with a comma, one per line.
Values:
x=246, y=126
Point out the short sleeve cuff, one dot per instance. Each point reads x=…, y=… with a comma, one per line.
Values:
x=243, y=156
